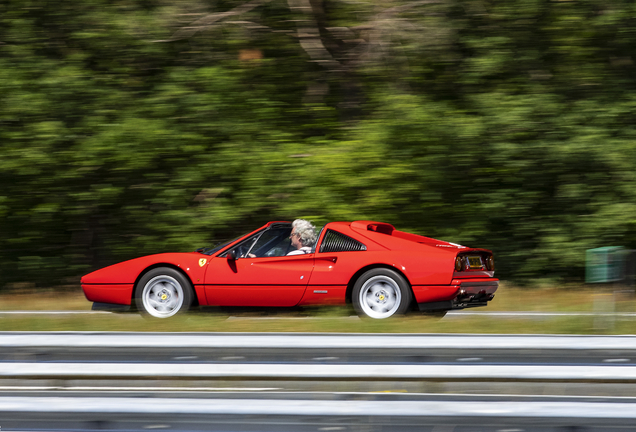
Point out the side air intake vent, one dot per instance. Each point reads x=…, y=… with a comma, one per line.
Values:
x=336, y=242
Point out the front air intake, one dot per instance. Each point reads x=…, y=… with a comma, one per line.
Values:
x=337, y=242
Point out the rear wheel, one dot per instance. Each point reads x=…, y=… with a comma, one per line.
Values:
x=163, y=292
x=381, y=293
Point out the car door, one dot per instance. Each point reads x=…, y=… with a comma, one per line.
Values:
x=262, y=276
x=337, y=259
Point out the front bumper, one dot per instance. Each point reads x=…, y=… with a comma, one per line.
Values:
x=108, y=293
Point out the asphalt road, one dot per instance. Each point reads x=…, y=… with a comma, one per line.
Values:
x=316, y=382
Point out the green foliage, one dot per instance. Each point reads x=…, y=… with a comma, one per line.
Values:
x=506, y=125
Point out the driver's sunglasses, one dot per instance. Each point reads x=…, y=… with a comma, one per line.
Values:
x=292, y=235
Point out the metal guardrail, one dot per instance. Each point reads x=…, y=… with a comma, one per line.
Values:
x=312, y=371
x=527, y=409
x=385, y=357
x=325, y=341
x=250, y=415
x=143, y=381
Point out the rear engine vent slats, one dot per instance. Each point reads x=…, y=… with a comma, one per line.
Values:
x=337, y=242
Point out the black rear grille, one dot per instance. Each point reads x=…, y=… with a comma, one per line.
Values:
x=337, y=242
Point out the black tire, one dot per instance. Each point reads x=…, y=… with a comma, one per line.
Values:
x=381, y=293
x=162, y=293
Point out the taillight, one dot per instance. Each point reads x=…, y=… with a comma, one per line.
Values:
x=490, y=263
x=459, y=264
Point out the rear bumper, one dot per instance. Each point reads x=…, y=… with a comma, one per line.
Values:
x=467, y=293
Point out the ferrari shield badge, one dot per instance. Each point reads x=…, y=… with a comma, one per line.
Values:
x=202, y=262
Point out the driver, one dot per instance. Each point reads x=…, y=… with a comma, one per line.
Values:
x=303, y=237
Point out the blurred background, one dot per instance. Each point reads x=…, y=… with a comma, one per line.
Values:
x=133, y=127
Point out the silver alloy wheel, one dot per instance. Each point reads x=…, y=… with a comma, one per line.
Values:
x=162, y=296
x=380, y=297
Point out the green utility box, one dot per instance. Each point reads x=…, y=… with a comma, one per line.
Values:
x=605, y=264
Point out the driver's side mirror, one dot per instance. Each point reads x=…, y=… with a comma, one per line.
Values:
x=231, y=255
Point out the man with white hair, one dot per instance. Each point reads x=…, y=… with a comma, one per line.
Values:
x=303, y=237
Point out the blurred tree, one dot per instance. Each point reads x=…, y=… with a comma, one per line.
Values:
x=130, y=127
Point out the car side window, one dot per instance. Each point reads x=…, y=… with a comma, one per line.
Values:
x=273, y=242
x=313, y=249
x=241, y=249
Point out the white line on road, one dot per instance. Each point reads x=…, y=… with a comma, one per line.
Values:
x=457, y=313
x=51, y=312
x=540, y=314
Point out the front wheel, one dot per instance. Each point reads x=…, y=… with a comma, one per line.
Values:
x=163, y=292
x=381, y=293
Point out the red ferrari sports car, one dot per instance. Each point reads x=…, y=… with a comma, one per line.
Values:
x=382, y=271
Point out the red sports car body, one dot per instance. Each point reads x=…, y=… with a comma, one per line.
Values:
x=379, y=269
